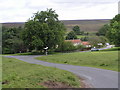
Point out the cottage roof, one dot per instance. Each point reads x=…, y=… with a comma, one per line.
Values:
x=85, y=43
x=74, y=41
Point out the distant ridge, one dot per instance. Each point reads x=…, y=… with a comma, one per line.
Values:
x=88, y=25
x=92, y=25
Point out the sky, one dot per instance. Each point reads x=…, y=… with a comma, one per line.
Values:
x=22, y=10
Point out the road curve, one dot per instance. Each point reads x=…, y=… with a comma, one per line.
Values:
x=97, y=78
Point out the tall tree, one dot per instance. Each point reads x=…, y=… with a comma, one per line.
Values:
x=43, y=29
x=113, y=33
x=11, y=40
x=103, y=30
x=71, y=35
x=76, y=29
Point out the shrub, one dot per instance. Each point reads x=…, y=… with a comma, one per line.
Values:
x=80, y=47
x=66, y=46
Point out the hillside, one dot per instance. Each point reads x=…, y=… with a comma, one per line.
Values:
x=13, y=24
x=85, y=25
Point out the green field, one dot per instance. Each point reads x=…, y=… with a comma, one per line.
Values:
x=101, y=59
x=80, y=36
x=19, y=74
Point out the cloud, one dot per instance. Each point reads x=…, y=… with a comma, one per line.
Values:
x=90, y=11
x=11, y=4
x=14, y=11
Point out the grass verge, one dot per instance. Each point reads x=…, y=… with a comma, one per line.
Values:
x=19, y=74
x=105, y=60
x=32, y=53
x=112, y=49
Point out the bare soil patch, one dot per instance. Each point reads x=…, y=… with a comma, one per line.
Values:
x=5, y=82
x=84, y=84
x=53, y=84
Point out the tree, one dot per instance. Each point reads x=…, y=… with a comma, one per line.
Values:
x=76, y=29
x=71, y=35
x=11, y=40
x=84, y=38
x=113, y=33
x=103, y=30
x=66, y=46
x=43, y=29
x=94, y=40
x=82, y=32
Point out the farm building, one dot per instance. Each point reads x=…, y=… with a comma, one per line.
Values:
x=79, y=42
x=86, y=44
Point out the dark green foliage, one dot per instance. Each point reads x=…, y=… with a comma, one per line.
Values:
x=76, y=29
x=43, y=29
x=113, y=33
x=103, y=30
x=11, y=40
x=87, y=33
x=84, y=39
x=112, y=30
x=82, y=33
x=71, y=35
x=116, y=18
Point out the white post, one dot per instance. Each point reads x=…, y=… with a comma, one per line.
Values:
x=46, y=50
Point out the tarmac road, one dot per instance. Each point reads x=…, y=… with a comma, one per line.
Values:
x=94, y=77
x=107, y=47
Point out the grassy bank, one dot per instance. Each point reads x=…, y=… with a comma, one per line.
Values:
x=112, y=49
x=104, y=59
x=19, y=74
x=32, y=53
x=27, y=53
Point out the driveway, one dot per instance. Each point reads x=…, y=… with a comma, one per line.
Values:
x=107, y=47
x=97, y=78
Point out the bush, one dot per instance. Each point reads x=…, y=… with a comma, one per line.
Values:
x=84, y=39
x=66, y=46
x=71, y=35
x=6, y=51
x=80, y=47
